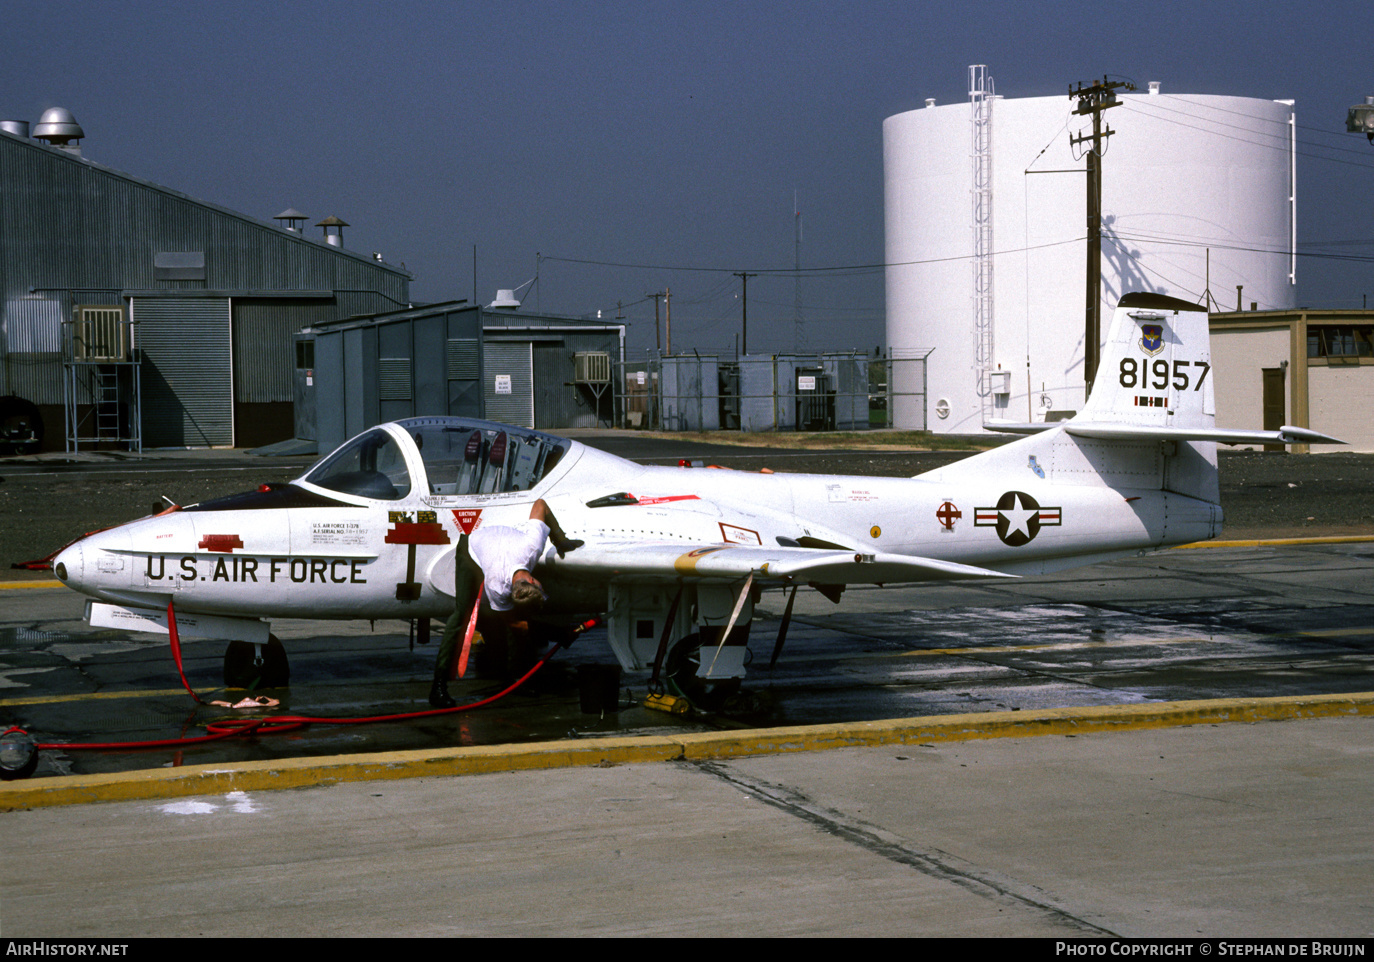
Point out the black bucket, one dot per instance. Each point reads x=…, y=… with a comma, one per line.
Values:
x=598, y=687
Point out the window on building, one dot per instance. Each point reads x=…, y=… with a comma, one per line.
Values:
x=1340, y=341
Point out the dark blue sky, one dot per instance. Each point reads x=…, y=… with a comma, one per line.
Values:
x=671, y=135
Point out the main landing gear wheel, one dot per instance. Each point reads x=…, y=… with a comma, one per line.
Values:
x=244, y=667
x=680, y=669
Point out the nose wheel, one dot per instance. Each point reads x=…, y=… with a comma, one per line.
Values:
x=251, y=666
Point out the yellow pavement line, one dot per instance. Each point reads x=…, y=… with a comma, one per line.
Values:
x=92, y=696
x=217, y=779
x=1128, y=643
x=912, y=653
x=1054, y=646
x=30, y=584
x=1258, y=542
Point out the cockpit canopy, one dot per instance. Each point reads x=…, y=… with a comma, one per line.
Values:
x=458, y=457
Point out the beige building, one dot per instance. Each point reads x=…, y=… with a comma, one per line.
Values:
x=1309, y=368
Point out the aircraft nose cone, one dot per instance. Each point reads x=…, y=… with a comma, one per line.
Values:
x=69, y=565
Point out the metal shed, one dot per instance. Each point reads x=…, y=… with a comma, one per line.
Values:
x=362, y=371
x=550, y=371
x=529, y=370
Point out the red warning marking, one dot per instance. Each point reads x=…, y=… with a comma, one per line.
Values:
x=671, y=497
x=221, y=542
x=467, y=519
x=948, y=514
x=417, y=532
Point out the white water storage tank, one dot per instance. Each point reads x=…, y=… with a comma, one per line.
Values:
x=1181, y=175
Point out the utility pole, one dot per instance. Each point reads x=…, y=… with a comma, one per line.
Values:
x=668, y=308
x=798, y=334
x=658, y=328
x=744, y=303
x=1092, y=100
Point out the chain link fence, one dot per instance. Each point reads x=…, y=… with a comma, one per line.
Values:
x=780, y=392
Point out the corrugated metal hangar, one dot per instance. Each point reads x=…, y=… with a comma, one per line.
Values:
x=134, y=315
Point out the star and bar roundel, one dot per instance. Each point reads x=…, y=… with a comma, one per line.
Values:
x=1017, y=517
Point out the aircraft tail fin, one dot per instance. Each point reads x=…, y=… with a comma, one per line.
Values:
x=1150, y=421
x=1156, y=368
x=1154, y=382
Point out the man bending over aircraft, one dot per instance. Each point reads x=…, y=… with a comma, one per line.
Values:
x=496, y=561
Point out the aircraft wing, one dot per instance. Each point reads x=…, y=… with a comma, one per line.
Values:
x=634, y=561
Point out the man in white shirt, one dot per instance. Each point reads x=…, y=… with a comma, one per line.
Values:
x=494, y=564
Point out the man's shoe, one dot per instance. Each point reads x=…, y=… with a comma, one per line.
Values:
x=439, y=696
x=565, y=544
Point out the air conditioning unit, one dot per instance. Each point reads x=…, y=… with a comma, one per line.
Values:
x=101, y=335
x=592, y=367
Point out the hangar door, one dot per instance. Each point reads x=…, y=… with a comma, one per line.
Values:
x=187, y=371
x=509, y=384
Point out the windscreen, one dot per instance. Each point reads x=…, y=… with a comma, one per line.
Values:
x=370, y=466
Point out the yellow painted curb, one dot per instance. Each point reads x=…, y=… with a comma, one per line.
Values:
x=216, y=779
x=1022, y=724
x=308, y=772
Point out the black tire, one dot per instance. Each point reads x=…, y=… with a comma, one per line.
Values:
x=21, y=426
x=680, y=669
x=240, y=670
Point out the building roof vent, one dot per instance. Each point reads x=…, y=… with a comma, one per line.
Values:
x=293, y=220
x=504, y=298
x=333, y=230
x=20, y=128
x=58, y=127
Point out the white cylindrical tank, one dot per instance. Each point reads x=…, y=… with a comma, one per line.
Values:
x=1182, y=175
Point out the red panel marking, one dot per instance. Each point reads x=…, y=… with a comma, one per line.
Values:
x=734, y=534
x=221, y=542
x=412, y=532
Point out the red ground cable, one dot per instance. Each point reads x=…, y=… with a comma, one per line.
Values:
x=280, y=724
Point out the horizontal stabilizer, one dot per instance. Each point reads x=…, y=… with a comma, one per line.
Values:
x=1288, y=434
x=669, y=562
x=1021, y=427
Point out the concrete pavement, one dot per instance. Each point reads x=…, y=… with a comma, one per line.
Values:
x=1248, y=829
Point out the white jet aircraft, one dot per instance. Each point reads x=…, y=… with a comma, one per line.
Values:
x=679, y=557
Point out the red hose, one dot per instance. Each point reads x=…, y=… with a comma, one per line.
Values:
x=279, y=724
